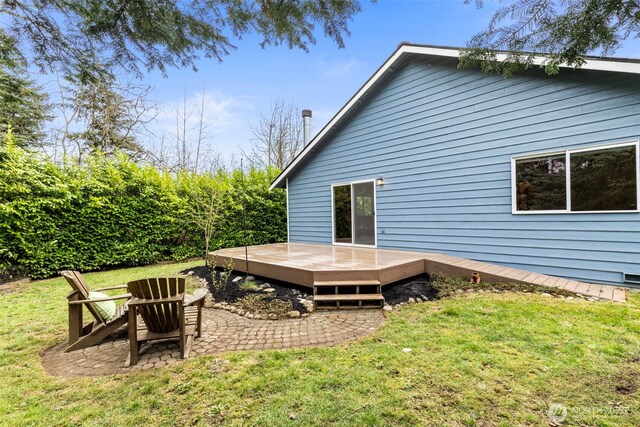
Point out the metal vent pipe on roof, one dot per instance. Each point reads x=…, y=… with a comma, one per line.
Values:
x=306, y=121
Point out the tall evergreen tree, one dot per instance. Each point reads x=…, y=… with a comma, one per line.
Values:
x=23, y=105
x=565, y=31
x=161, y=33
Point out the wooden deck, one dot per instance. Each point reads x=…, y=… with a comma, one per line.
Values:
x=316, y=265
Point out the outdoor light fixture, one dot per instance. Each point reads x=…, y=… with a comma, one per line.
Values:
x=380, y=181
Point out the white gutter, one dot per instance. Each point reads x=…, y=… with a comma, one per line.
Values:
x=620, y=66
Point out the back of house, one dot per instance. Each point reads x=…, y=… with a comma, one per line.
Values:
x=534, y=172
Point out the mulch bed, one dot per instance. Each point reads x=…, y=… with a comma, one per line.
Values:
x=231, y=291
x=413, y=287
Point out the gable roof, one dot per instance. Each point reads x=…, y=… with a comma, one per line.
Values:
x=620, y=65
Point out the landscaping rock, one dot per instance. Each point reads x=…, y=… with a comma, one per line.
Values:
x=411, y=300
x=545, y=294
x=459, y=291
x=237, y=279
x=219, y=365
x=418, y=299
x=272, y=316
x=470, y=290
x=295, y=314
x=305, y=315
x=250, y=278
x=240, y=312
x=217, y=305
x=209, y=301
x=268, y=290
x=387, y=308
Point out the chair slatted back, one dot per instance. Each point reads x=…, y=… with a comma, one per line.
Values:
x=160, y=318
x=78, y=284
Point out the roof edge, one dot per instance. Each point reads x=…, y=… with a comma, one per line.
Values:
x=621, y=65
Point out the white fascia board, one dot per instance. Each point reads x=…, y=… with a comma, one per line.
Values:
x=596, y=64
x=620, y=66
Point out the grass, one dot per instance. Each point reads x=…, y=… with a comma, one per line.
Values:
x=249, y=285
x=491, y=359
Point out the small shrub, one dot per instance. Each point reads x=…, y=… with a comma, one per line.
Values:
x=264, y=304
x=249, y=285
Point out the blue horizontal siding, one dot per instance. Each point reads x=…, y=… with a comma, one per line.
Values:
x=443, y=139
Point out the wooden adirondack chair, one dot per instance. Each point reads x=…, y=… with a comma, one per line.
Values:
x=166, y=312
x=83, y=336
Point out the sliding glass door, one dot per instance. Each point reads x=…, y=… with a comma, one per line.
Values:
x=354, y=214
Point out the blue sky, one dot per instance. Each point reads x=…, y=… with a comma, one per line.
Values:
x=250, y=79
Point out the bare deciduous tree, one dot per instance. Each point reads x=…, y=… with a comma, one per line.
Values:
x=207, y=198
x=188, y=151
x=278, y=136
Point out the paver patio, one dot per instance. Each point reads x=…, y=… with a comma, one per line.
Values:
x=222, y=331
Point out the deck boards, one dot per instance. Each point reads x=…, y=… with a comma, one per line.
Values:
x=316, y=264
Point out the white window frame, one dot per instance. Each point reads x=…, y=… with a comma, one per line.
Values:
x=567, y=153
x=375, y=215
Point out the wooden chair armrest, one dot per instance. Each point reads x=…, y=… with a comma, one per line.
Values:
x=142, y=301
x=115, y=297
x=110, y=288
x=197, y=297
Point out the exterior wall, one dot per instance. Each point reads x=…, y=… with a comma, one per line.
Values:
x=443, y=139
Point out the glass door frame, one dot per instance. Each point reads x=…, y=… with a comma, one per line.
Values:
x=353, y=214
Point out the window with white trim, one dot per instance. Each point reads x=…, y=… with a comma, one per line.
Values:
x=597, y=179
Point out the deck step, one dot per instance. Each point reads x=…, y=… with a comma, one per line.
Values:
x=349, y=297
x=347, y=283
x=348, y=301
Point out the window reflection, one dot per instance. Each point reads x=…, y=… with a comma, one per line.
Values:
x=604, y=180
x=541, y=183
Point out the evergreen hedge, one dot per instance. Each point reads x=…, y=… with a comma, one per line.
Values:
x=114, y=212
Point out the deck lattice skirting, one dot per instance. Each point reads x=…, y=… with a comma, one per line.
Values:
x=315, y=265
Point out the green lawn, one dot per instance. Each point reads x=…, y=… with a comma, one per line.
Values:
x=476, y=359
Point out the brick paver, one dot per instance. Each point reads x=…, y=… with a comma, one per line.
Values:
x=222, y=331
